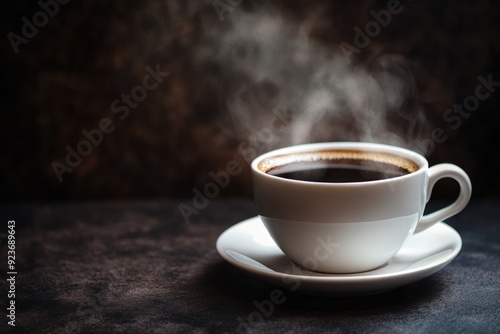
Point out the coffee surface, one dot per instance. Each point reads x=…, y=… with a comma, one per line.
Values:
x=327, y=171
x=338, y=166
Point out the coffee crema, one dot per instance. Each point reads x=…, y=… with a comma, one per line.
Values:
x=338, y=166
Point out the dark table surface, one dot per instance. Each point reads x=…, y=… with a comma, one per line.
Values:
x=138, y=267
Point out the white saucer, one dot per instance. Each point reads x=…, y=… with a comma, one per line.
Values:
x=248, y=246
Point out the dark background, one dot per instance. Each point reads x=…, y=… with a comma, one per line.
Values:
x=65, y=78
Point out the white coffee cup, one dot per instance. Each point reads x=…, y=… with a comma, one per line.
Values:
x=353, y=226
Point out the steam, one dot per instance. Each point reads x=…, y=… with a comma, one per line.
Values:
x=263, y=63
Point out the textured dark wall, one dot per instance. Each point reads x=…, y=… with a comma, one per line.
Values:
x=65, y=78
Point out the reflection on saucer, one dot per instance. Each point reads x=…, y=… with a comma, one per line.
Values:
x=260, y=236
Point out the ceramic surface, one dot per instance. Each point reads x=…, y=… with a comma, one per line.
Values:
x=355, y=226
x=248, y=246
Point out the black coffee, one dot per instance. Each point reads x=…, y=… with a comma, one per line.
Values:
x=338, y=166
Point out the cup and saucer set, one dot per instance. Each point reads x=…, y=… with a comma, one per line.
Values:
x=345, y=219
x=249, y=247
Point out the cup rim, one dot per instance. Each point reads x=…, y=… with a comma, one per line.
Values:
x=417, y=158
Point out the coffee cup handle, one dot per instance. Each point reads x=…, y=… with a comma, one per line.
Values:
x=435, y=173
